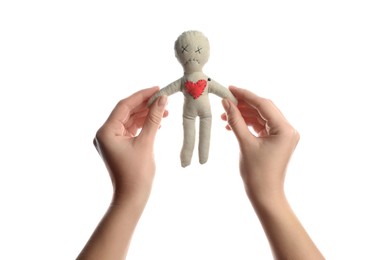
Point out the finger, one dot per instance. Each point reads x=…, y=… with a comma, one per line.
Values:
x=251, y=119
x=140, y=97
x=135, y=117
x=132, y=104
x=236, y=121
x=224, y=117
x=137, y=124
x=154, y=117
x=166, y=113
x=138, y=118
x=137, y=121
x=266, y=108
x=251, y=113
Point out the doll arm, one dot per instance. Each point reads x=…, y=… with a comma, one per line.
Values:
x=166, y=91
x=221, y=91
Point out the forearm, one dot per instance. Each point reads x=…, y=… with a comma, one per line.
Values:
x=286, y=235
x=112, y=236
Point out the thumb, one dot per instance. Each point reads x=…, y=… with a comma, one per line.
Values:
x=235, y=120
x=153, y=119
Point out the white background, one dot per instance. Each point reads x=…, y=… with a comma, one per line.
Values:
x=65, y=64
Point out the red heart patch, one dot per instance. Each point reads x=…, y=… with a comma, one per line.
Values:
x=195, y=89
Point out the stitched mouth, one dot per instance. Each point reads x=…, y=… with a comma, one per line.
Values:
x=192, y=61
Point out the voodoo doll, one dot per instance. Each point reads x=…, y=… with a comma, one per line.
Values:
x=192, y=50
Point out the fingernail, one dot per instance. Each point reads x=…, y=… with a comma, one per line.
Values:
x=162, y=101
x=226, y=104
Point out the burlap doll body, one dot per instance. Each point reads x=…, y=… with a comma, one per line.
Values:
x=192, y=51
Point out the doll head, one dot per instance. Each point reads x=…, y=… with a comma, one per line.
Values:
x=192, y=50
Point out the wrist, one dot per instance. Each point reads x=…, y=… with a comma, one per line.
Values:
x=275, y=208
x=132, y=200
x=132, y=191
x=267, y=199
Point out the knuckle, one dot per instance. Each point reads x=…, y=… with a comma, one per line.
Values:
x=292, y=134
x=297, y=137
x=154, y=118
x=99, y=135
x=232, y=120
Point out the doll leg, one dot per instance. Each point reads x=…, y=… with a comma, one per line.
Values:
x=204, y=138
x=189, y=140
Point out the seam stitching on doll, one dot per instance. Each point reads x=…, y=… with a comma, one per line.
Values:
x=184, y=48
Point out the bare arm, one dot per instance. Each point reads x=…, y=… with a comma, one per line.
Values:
x=130, y=163
x=221, y=91
x=288, y=238
x=263, y=165
x=166, y=91
x=112, y=236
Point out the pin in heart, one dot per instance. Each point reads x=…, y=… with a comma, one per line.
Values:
x=195, y=89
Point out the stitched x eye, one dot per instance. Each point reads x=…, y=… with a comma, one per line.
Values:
x=198, y=50
x=184, y=48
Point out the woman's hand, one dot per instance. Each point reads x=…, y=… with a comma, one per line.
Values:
x=264, y=157
x=266, y=151
x=129, y=157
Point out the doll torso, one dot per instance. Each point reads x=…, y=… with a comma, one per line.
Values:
x=195, y=87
